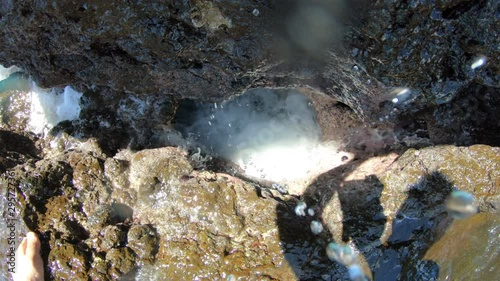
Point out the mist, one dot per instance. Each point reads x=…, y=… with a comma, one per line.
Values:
x=270, y=134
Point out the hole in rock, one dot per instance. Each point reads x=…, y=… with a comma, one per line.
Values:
x=272, y=135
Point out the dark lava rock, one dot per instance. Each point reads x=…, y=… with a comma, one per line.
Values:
x=175, y=47
x=187, y=49
x=429, y=47
x=214, y=50
x=16, y=148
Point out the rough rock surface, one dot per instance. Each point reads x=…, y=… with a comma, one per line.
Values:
x=157, y=214
x=213, y=50
x=103, y=218
x=150, y=214
x=429, y=47
x=186, y=49
x=392, y=212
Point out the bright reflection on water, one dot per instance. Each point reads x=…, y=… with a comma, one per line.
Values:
x=269, y=134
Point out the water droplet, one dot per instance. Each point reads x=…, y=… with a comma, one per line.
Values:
x=342, y=254
x=399, y=94
x=300, y=208
x=356, y=273
x=209, y=123
x=310, y=212
x=256, y=12
x=316, y=227
x=461, y=204
x=355, y=68
x=478, y=62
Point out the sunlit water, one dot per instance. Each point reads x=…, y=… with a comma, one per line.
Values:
x=270, y=134
x=45, y=107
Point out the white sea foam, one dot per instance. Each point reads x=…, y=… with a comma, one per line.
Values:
x=48, y=107
x=270, y=134
x=6, y=72
x=51, y=106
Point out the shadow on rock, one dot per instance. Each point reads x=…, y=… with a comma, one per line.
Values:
x=391, y=239
x=16, y=148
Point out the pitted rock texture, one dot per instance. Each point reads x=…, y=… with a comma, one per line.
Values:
x=172, y=47
x=206, y=50
x=392, y=209
x=149, y=213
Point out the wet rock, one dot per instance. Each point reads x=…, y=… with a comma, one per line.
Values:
x=17, y=148
x=162, y=45
x=121, y=261
x=143, y=240
x=471, y=169
x=197, y=50
x=112, y=237
x=430, y=48
x=62, y=218
x=117, y=173
x=208, y=225
x=191, y=224
x=152, y=177
x=145, y=116
x=38, y=182
x=407, y=57
x=99, y=218
x=69, y=262
x=391, y=210
x=468, y=247
x=99, y=269
x=415, y=191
